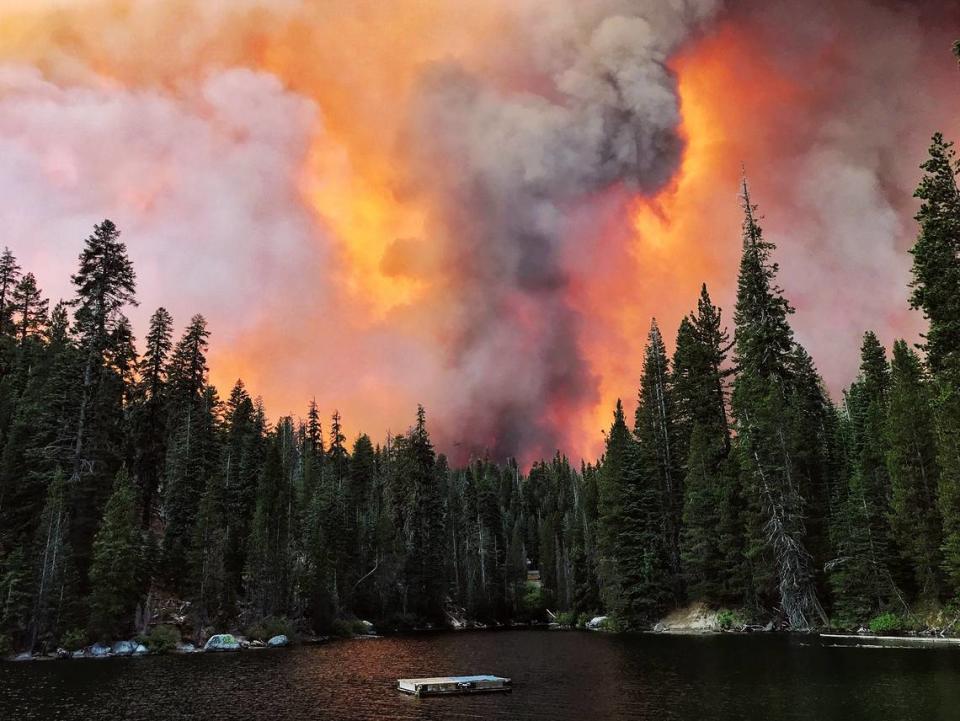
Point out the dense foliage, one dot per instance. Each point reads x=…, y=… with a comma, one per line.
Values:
x=126, y=480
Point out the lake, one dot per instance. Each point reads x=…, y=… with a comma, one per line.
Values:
x=557, y=676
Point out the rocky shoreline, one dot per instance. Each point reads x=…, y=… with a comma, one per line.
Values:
x=694, y=620
x=221, y=642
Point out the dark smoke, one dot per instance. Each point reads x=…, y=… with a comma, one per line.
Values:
x=509, y=166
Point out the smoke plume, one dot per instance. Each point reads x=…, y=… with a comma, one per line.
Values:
x=476, y=206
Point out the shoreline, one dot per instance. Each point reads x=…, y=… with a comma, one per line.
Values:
x=830, y=639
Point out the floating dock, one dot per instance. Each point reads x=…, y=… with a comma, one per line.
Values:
x=447, y=685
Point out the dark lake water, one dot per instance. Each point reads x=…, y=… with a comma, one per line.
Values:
x=557, y=676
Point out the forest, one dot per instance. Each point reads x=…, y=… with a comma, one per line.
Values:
x=128, y=482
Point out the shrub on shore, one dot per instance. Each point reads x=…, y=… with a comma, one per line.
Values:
x=160, y=639
x=272, y=626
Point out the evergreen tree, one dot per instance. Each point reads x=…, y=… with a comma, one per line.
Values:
x=936, y=291
x=16, y=596
x=615, y=477
x=364, y=507
x=208, y=578
x=861, y=577
x=9, y=276
x=31, y=308
x=425, y=559
x=914, y=474
x=116, y=560
x=242, y=459
x=700, y=542
x=659, y=492
x=149, y=413
x=105, y=284
x=55, y=595
x=699, y=379
x=192, y=448
x=263, y=577
x=936, y=259
x=763, y=406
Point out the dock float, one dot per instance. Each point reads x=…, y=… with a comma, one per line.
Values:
x=448, y=685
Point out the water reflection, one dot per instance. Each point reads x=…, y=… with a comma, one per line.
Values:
x=557, y=676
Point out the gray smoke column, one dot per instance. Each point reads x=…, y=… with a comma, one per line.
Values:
x=598, y=108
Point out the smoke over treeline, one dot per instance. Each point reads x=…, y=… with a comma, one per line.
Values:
x=477, y=207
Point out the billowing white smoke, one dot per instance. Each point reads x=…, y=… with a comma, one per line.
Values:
x=202, y=185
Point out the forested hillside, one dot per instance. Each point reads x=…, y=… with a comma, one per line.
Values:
x=126, y=478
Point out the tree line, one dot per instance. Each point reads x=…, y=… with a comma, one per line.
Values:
x=127, y=481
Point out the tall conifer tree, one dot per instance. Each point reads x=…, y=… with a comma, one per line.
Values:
x=763, y=406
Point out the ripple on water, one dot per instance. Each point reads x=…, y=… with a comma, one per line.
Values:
x=557, y=677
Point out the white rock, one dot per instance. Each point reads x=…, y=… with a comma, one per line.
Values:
x=99, y=650
x=124, y=648
x=222, y=642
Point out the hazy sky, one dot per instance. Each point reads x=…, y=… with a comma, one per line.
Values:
x=476, y=206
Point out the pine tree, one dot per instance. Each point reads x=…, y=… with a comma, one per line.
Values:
x=241, y=461
x=936, y=259
x=116, y=559
x=615, y=477
x=862, y=574
x=9, y=276
x=16, y=596
x=365, y=506
x=105, y=284
x=762, y=399
x=427, y=534
x=653, y=505
x=38, y=440
x=31, y=308
x=55, y=596
x=206, y=559
x=936, y=291
x=150, y=413
x=699, y=540
x=699, y=379
x=192, y=448
x=914, y=473
x=337, y=455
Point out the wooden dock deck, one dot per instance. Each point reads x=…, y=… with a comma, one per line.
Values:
x=445, y=685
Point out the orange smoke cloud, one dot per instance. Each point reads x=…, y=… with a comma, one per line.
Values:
x=384, y=204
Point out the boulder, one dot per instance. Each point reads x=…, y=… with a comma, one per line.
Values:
x=124, y=648
x=186, y=648
x=596, y=623
x=659, y=627
x=369, y=630
x=63, y=653
x=79, y=653
x=257, y=643
x=222, y=642
x=99, y=650
x=244, y=643
x=278, y=641
x=25, y=656
x=141, y=650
